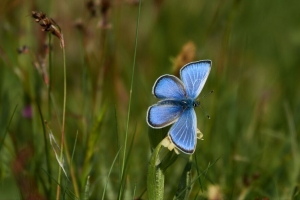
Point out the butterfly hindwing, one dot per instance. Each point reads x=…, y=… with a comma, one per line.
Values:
x=194, y=76
x=169, y=87
x=163, y=113
x=183, y=132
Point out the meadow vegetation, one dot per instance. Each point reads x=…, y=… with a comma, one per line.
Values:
x=251, y=143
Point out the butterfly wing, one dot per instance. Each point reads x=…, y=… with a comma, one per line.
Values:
x=169, y=87
x=183, y=132
x=163, y=113
x=194, y=76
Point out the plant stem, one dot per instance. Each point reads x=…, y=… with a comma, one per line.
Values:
x=63, y=120
x=49, y=78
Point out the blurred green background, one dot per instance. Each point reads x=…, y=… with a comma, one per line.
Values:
x=254, y=128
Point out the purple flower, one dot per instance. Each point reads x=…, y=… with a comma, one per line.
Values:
x=27, y=112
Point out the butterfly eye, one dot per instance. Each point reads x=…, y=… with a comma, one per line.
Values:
x=196, y=103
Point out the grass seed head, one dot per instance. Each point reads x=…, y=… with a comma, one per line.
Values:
x=48, y=25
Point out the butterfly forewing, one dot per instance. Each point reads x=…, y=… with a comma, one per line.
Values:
x=163, y=113
x=183, y=132
x=194, y=76
x=169, y=87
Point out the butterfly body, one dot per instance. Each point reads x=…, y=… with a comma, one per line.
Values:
x=190, y=103
x=177, y=103
x=184, y=103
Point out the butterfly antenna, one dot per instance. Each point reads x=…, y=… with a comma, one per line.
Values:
x=204, y=112
x=206, y=94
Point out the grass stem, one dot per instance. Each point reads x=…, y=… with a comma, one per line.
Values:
x=130, y=97
x=63, y=121
x=49, y=77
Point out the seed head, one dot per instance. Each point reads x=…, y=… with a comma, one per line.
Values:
x=48, y=25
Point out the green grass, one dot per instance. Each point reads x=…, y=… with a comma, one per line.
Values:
x=251, y=143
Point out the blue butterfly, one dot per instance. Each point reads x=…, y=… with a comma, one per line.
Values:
x=177, y=102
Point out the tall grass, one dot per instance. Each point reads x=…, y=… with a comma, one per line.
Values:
x=251, y=143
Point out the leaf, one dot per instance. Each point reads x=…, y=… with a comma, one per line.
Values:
x=184, y=186
x=156, y=177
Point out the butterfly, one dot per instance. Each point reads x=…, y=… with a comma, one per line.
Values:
x=177, y=102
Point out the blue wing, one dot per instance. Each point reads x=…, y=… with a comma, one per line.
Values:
x=183, y=132
x=163, y=113
x=169, y=87
x=194, y=76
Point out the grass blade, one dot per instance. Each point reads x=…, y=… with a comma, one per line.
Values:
x=294, y=149
x=134, y=190
x=130, y=97
x=87, y=189
x=108, y=175
x=198, y=172
x=6, y=130
x=184, y=187
x=46, y=148
x=73, y=177
x=126, y=162
x=156, y=177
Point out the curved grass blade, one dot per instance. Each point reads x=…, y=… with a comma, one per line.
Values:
x=294, y=149
x=87, y=189
x=46, y=148
x=67, y=191
x=126, y=164
x=198, y=172
x=73, y=177
x=202, y=174
x=184, y=187
x=108, y=175
x=6, y=130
